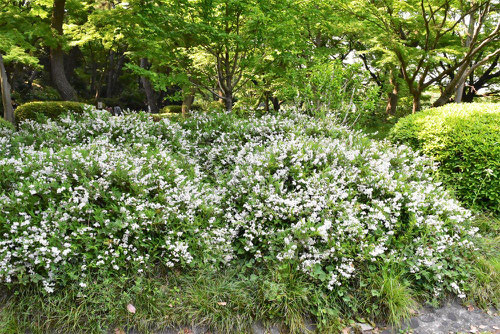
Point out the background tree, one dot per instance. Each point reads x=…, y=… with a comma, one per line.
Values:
x=56, y=52
x=418, y=36
x=16, y=20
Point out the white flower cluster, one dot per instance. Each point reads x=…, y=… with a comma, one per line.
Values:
x=104, y=193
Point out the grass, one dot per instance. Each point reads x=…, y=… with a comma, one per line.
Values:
x=386, y=296
x=379, y=128
x=229, y=301
x=485, y=278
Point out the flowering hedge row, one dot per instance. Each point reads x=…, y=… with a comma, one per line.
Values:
x=104, y=195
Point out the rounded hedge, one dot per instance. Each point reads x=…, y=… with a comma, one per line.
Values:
x=465, y=140
x=51, y=109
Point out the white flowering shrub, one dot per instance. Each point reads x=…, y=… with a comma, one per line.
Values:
x=101, y=195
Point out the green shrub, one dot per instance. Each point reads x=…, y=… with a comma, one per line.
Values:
x=464, y=139
x=52, y=109
x=159, y=117
x=171, y=109
x=206, y=106
x=38, y=92
x=110, y=102
x=6, y=124
x=197, y=106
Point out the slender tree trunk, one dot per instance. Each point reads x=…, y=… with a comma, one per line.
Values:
x=266, y=101
x=392, y=102
x=393, y=98
x=187, y=103
x=221, y=101
x=229, y=101
x=148, y=89
x=8, y=111
x=276, y=103
x=416, y=101
x=111, y=69
x=459, y=93
x=444, y=98
x=117, y=72
x=57, y=56
x=461, y=84
x=31, y=79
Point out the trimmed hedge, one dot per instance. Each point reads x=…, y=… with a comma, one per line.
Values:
x=159, y=117
x=171, y=109
x=51, y=109
x=6, y=124
x=465, y=140
x=196, y=106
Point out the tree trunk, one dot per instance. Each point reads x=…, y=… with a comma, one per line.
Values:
x=461, y=84
x=8, y=111
x=221, y=100
x=31, y=79
x=392, y=101
x=111, y=69
x=57, y=57
x=276, y=103
x=416, y=101
x=443, y=99
x=187, y=103
x=228, y=97
x=266, y=101
x=148, y=89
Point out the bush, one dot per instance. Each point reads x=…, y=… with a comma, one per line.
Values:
x=159, y=117
x=464, y=139
x=6, y=124
x=197, y=106
x=52, y=109
x=207, y=106
x=38, y=92
x=171, y=109
x=114, y=197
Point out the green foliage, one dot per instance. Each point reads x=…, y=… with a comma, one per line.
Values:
x=197, y=106
x=6, y=124
x=335, y=88
x=463, y=139
x=37, y=93
x=171, y=109
x=485, y=272
x=159, y=117
x=485, y=287
x=390, y=295
x=198, y=219
x=51, y=109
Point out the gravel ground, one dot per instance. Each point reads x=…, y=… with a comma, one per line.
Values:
x=450, y=318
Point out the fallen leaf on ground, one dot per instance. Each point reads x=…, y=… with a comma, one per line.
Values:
x=119, y=331
x=131, y=308
x=222, y=303
x=470, y=308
